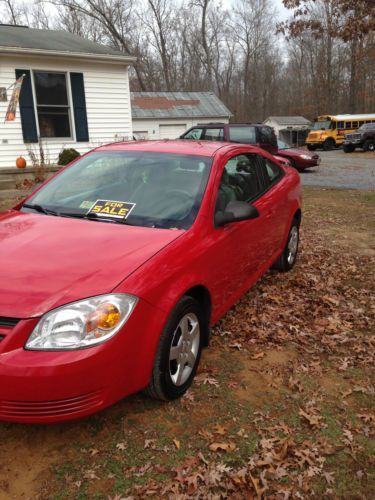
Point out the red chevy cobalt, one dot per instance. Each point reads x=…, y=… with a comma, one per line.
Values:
x=113, y=272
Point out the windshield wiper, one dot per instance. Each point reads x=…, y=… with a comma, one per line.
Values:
x=94, y=216
x=40, y=209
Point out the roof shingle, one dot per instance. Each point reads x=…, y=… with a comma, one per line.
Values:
x=51, y=40
x=177, y=105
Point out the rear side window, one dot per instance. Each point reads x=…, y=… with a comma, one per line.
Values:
x=195, y=133
x=244, y=135
x=214, y=134
x=272, y=171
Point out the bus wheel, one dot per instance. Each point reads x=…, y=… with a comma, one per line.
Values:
x=329, y=144
x=348, y=148
x=369, y=145
x=311, y=147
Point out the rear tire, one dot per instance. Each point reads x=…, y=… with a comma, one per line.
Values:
x=288, y=258
x=369, y=145
x=311, y=147
x=348, y=148
x=329, y=144
x=178, y=353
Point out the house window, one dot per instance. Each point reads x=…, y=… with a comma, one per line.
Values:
x=52, y=104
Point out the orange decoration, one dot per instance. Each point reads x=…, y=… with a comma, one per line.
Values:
x=21, y=162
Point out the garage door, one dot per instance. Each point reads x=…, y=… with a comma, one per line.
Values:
x=171, y=131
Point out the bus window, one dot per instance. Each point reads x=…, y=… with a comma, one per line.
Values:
x=340, y=125
x=333, y=125
x=355, y=124
x=361, y=123
x=348, y=125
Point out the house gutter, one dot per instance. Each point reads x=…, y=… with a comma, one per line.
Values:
x=107, y=58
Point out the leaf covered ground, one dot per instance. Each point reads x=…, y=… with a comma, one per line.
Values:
x=282, y=407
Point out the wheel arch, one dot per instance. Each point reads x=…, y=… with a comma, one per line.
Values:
x=202, y=295
x=298, y=216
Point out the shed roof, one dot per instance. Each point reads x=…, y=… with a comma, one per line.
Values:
x=177, y=105
x=289, y=120
x=52, y=42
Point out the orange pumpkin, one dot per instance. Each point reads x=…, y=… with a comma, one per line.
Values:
x=21, y=162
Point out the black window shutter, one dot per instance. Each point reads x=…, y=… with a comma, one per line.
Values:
x=79, y=106
x=28, y=122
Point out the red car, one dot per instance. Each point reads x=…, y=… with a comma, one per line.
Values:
x=114, y=270
x=298, y=158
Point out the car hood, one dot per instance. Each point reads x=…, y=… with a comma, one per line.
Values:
x=48, y=261
x=293, y=152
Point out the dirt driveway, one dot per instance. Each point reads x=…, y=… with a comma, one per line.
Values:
x=340, y=170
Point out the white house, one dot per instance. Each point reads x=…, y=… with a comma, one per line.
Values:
x=291, y=129
x=75, y=93
x=166, y=115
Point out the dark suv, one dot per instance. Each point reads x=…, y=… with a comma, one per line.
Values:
x=245, y=133
x=363, y=138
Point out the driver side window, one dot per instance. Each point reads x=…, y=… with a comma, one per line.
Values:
x=240, y=181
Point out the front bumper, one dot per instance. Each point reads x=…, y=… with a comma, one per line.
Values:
x=41, y=386
x=353, y=142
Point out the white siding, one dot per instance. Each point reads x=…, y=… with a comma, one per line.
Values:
x=107, y=103
x=156, y=128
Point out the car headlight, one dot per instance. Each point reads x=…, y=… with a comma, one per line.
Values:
x=82, y=324
x=306, y=157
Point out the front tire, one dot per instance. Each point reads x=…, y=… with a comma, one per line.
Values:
x=369, y=145
x=178, y=353
x=348, y=148
x=288, y=258
x=329, y=144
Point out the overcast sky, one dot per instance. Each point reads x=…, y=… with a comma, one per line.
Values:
x=280, y=10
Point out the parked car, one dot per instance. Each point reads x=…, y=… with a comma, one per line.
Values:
x=364, y=138
x=298, y=158
x=255, y=134
x=114, y=270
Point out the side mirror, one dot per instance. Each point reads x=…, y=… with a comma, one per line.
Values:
x=236, y=211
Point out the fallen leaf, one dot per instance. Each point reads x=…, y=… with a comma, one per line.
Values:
x=259, y=355
x=312, y=419
x=329, y=477
x=219, y=429
x=177, y=443
x=222, y=446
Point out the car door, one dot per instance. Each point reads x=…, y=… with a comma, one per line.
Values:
x=237, y=249
x=273, y=204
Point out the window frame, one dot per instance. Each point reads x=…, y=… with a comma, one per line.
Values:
x=72, y=137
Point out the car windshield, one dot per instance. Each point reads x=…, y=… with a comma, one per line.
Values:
x=323, y=125
x=133, y=187
x=366, y=126
x=283, y=145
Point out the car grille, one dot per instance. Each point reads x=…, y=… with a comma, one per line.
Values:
x=8, y=322
x=43, y=409
x=352, y=136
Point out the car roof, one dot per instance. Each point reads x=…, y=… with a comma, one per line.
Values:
x=178, y=146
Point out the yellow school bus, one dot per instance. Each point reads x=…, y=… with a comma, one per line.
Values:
x=328, y=131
